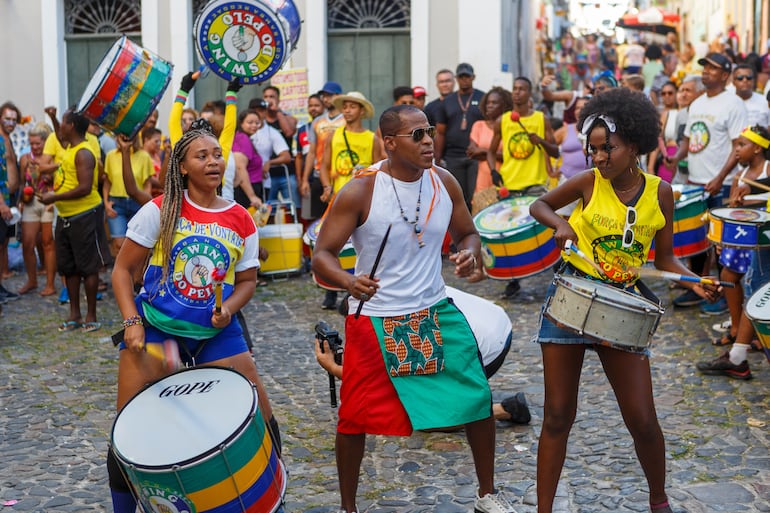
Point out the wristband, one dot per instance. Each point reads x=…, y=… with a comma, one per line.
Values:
x=181, y=96
x=133, y=321
x=231, y=97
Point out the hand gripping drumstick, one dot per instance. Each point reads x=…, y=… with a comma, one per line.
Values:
x=570, y=246
x=217, y=277
x=168, y=353
x=374, y=267
x=657, y=273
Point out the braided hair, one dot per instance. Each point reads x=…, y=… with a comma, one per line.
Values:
x=173, y=190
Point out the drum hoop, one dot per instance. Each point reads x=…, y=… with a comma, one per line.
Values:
x=205, y=455
x=641, y=300
x=763, y=218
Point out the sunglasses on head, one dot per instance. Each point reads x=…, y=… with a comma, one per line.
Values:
x=628, y=232
x=591, y=120
x=418, y=134
x=744, y=77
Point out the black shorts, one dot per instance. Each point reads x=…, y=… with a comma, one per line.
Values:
x=6, y=231
x=81, y=243
x=317, y=207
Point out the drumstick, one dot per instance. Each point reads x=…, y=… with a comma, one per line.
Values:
x=202, y=72
x=168, y=353
x=217, y=277
x=516, y=118
x=756, y=184
x=570, y=246
x=374, y=267
x=657, y=273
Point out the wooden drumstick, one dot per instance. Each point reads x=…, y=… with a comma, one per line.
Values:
x=570, y=246
x=756, y=184
x=168, y=353
x=657, y=273
x=217, y=277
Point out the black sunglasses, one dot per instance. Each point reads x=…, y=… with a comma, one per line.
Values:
x=744, y=77
x=418, y=134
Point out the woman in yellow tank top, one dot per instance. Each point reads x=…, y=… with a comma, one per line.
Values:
x=621, y=210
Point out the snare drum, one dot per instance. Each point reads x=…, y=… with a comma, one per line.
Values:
x=758, y=311
x=126, y=88
x=249, y=39
x=195, y=441
x=689, y=225
x=513, y=244
x=739, y=227
x=602, y=312
x=347, y=256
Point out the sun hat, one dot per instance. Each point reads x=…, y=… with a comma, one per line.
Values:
x=355, y=96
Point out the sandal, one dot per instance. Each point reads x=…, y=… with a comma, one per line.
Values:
x=756, y=347
x=69, y=326
x=91, y=326
x=261, y=283
x=724, y=340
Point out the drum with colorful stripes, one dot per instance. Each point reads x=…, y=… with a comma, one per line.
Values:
x=347, y=256
x=126, y=88
x=689, y=225
x=195, y=441
x=513, y=244
x=739, y=227
x=758, y=311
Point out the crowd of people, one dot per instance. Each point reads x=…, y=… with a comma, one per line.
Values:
x=601, y=134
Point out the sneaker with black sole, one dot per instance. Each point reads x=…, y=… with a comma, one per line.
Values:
x=516, y=407
x=8, y=295
x=689, y=298
x=493, y=503
x=722, y=366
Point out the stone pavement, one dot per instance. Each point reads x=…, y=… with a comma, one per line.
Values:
x=57, y=399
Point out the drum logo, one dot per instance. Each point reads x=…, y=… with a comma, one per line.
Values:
x=699, y=137
x=240, y=40
x=164, y=500
x=194, y=259
x=520, y=147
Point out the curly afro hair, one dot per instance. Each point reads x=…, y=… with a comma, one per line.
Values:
x=636, y=119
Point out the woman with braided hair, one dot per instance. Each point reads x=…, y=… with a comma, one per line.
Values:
x=186, y=234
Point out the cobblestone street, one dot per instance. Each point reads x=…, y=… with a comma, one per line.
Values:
x=57, y=395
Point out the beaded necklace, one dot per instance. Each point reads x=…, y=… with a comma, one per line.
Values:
x=417, y=229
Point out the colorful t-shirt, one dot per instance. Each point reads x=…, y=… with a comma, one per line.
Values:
x=321, y=130
x=205, y=240
x=599, y=227
x=523, y=162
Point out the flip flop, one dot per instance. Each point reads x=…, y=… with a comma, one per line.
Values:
x=69, y=326
x=724, y=340
x=91, y=326
x=756, y=347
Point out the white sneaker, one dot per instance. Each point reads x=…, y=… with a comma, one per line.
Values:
x=493, y=503
x=722, y=327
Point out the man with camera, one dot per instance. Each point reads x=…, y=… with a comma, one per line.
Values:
x=410, y=348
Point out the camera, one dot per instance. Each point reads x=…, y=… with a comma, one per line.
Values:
x=324, y=332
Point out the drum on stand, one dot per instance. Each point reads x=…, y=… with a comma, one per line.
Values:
x=195, y=441
x=513, y=244
x=249, y=40
x=347, y=256
x=739, y=228
x=602, y=312
x=690, y=227
x=126, y=88
x=758, y=311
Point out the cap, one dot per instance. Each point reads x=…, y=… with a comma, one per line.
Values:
x=331, y=88
x=419, y=92
x=464, y=69
x=718, y=60
x=258, y=103
x=355, y=96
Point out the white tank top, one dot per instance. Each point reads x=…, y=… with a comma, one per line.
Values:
x=410, y=276
x=227, y=182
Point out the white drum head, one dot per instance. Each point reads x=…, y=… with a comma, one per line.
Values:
x=101, y=74
x=758, y=305
x=182, y=417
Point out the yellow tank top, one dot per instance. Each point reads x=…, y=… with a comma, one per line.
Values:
x=343, y=161
x=66, y=179
x=324, y=128
x=523, y=162
x=600, y=225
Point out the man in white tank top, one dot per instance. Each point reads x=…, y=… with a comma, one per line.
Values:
x=410, y=349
